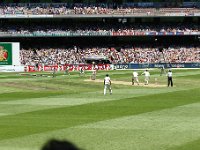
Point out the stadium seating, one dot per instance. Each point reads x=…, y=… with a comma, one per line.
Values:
x=125, y=55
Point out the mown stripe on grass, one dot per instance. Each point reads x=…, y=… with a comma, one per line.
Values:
x=80, y=98
x=66, y=117
x=191, y=77
x=157, y=130
x=186, y=74
x=11, y=90
x=10, y=109
x=34, y=104
x=24, y=95
x=190, y=145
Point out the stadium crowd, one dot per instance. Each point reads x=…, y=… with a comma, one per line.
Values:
x=77, y=55
x=98, y=28
x=90, y=9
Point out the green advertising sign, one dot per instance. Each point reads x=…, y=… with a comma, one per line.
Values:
x=5, y=54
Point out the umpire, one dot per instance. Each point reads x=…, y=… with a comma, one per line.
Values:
x=169, y=76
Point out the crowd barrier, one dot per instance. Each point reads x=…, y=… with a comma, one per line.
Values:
x=71, y=67
x=156, y=65
x=11, y=68
x=99, y=67
x=110, y=66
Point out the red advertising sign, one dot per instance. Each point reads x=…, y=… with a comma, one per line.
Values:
x=71, y=67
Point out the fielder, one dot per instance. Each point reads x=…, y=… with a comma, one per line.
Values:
x=81, y=71
x=135, y=78
x=67, y=71
x=147, y=76
x=54, y=73
x=94, y=73
x=107, y=84
x=162, y=70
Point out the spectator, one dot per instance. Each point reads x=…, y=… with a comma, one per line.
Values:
x=60, y=56
x=59, y=145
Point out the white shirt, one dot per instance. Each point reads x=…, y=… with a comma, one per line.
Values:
x=169, y=74
x=135, y=74
x=107, y=80
x=146, y=74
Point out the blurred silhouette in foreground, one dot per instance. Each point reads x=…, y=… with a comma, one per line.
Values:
x=54, y=144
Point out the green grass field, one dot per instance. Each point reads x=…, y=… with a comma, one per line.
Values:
x=36, y=109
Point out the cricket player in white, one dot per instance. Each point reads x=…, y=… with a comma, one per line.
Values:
x=107, y=84
x=147, y=76
x=94, y=73
x=135, y=78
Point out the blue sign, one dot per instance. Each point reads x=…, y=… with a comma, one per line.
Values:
x=157, y=65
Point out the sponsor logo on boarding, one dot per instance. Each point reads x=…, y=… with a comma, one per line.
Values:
x=177, y=65
x=179, y=33
x=159, y=65
x=195, y=65
x=125, y=66
x=3, y=54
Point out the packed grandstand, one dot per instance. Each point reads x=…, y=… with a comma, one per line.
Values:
x=90, y=9
x=116, y=7
x=98, y=28
x=59, y=56
x=119, y=32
